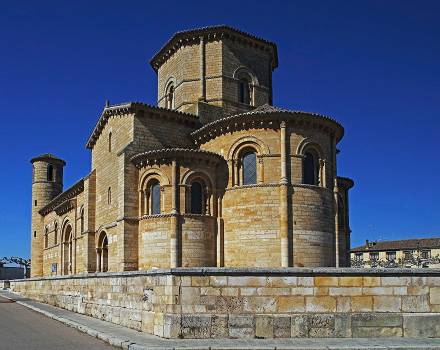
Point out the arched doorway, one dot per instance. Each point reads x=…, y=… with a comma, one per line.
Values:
x=102, y=253
x=68, y=249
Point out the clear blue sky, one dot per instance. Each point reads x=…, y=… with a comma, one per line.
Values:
x=372, y=65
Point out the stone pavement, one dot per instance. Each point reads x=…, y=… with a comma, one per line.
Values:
x=130, y=339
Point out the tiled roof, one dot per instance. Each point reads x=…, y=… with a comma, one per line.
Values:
x=70, y=193
x=165, y=153
x=345, y=182
x=131, y=107
x=268, y=110
x=181, y=37
x=48, y=157
x=418, y=243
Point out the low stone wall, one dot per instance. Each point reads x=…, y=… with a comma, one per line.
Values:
x=247, y=303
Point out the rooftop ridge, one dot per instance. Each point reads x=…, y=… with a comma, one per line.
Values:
x=46, y=156
x=177, y=39
x=400, y=244
x=266, y=109
x=130, y=107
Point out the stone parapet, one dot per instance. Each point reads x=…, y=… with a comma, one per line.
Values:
x=252, y=302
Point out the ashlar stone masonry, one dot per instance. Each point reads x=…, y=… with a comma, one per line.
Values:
x=213, y=176
x=249, y=303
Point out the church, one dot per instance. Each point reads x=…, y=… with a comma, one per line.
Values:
x=213, y=176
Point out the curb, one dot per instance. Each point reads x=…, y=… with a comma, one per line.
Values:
x=107, y=338
x=128, y=345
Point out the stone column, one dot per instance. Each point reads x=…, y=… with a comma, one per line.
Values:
x=98, y=259
x=174, y=241
x=284, y=220
x=231, y=171
x=74, y=252
x=220, y=233
x=202, y=70
x=335, y=202
x=61, y=267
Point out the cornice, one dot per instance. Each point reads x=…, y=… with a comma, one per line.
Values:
x=267, y=117
x=59, y=200
x=165, y=155
x=48, y=157
x=65, y=207
x=345, y=182
x=124, y=109
x=213, y=33
x=234, y=188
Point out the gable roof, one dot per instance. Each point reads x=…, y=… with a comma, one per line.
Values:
x=404, y=244
x=122, y=109
x=182, y=38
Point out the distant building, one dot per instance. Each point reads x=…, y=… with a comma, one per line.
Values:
x=408, y=253
x=11, y=273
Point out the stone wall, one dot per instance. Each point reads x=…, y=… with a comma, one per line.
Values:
x=248, y=303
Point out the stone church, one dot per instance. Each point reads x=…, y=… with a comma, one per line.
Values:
x=214, y=175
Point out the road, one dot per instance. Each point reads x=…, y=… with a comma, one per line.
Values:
x=24, y=329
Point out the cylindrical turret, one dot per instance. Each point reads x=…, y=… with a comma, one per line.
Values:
x=47, y=183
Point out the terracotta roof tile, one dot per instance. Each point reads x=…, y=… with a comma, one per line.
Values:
x=404, y=244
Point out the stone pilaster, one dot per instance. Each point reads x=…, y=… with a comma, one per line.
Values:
x=284, y=221
x=174, y=242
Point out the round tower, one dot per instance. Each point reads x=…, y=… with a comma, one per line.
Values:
x=47, y=183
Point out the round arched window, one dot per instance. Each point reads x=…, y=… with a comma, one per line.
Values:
x=249, y=168
x=154, y=194
x=197, y=198
x=169, y=96
x=310, y=169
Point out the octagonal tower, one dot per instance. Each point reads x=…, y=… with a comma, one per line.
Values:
x=214, y=72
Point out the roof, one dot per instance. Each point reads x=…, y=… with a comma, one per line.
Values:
x=131, y=107
x=345, y=182
x=141, y=159
x=68, y=194
x=212, y=32
x=417, y=243
x=49, y=158
x=269, y=111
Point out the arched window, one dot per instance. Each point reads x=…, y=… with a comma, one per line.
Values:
x=244, y=91
x=169, y=96
x=310, y=168
x=55, y=233
x=249, y=168
x=198, y=205
x=68, y=249
x=82, y=220
x=154, y=197
x=110, y=141
x=49, y=172
x=102, y=253
x=109, y=196
x=246, y=81
x=46, y=238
